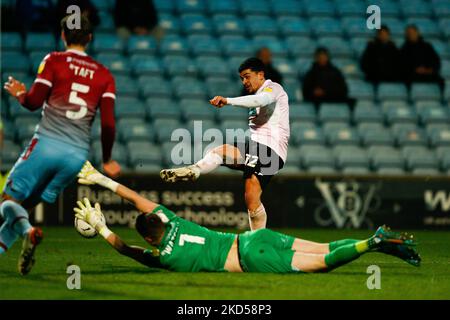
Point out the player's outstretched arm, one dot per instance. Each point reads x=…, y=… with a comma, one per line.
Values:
x=251, y=101
x=94, y=216
x=89, y=176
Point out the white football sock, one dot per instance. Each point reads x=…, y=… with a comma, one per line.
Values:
x=210, y=162
x=258, y=218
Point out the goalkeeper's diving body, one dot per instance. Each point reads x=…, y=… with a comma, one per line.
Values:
x=183, y=246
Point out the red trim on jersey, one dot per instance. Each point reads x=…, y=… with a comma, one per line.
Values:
x=108, y=127
x=35, y=97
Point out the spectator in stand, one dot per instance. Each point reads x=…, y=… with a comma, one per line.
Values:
x=138, y=17
x=420, y=62
x=324, y=82
x=380, y=60
x=265, y=55
x=87, y=8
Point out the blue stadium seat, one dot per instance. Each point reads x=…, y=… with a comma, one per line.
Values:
x=14, y=61
x=415, y=8
x=126, y=86
x=172, y=44
x=353, y=157
x=321, y=170
x=226, y=24
x=298, y=125
x=318, y=158
x=237, y=46
x=115, y=62
x=119, y=153
x=180, y=66
x=350, y=8
x=194, y=109
x=334, y=112
x=199, y=127
x=411, y=137
x=385, y=157
x=10, y=152
x=349, y=67
x=426, y=172
x=129, y=107
x=108, y=43
x=399, y=127
x=25, y=128
x=337, y=46
x=356, y=26
x=360, y=89
x=302, y=111
x=440, y=138
x=293, y=26
x=222, y=86
x=325, y=26
x=249, y=7
x=160, y=108
x=203, y=45
x=442, y=49
x=190, y=6
x=164, y=6
x=293, y=89
x=142, y=64
x=103, y=4
x=343, y=136
x=359, y=44
x=390, y=91
x=140, y=154
x=352, y=170
x=277, y=47
x=425, y=91
x=319, y=8
x=400, y=114
x=387, y=171
x=434, y=115
x=441, y=9
x=301, y=46
x=141, y=44
x=436, y=127
x=36, y=58
x=287, y=8
x=40, y=41
x=195, y=24
x=377, y=137
x=164, y=128
x=286, y=67
x=261, y=25
x=189, y=89
x=106, y=24
x=223, y=6
x=308, y=136
x=213, y=67
x=155, y=86
x=169, y=23
x=367, y=114
x=11, y=41
x=422, y=161
x=389, y=8
x=142, y=132
x=293, y=158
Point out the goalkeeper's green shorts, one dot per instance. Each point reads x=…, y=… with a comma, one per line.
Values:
x=267, y=251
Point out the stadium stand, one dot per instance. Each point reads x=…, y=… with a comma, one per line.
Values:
x=163, y=86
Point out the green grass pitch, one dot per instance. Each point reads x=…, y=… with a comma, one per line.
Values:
x=107, y=275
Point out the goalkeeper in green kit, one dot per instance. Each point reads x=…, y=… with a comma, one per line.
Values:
x=183, y=246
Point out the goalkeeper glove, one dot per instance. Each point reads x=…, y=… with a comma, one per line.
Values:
x=89, y=175
x=93, y=216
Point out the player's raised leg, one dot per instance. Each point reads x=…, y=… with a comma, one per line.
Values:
x=224, y=154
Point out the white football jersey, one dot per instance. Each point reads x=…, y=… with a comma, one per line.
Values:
x=269, y=125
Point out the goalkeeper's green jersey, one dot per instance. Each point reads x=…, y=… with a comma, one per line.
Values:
x=189, y=247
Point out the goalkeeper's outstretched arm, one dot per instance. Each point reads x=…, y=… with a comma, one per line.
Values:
x=94, y=216
x=89, y=175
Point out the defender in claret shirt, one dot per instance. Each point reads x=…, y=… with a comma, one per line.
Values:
x=70, y=87
x=260, y=157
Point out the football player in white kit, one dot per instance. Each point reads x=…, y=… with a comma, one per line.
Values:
x=259, y=157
